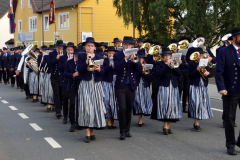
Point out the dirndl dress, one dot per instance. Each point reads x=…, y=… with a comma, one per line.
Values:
x=143, y=101
x=199, y=105
x=169, y=104
x=91, y=105
x=41, y=83
x=110, y=99
x=48, y=94
x=33, y=81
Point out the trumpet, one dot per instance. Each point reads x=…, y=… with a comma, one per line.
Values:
x=173, y=47
x=146, y=46
x=183, y=44
x=144, y=71
x=199, y=42
x=91, y=64
x=174, y=64
x=61, y=52
x=135, y=60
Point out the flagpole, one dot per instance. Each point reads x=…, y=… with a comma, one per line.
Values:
x=42, y=25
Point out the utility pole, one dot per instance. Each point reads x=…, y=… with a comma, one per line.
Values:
x=42, y=25
x=134, y=18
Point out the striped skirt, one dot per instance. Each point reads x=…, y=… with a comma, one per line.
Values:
x=41, y=83
x=199, y=105
x=169, y=104
x=48, y=94
x=143, y=101
x=110, y=100
x=91, y=105
x=33, y=83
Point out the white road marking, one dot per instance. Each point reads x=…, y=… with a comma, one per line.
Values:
x=217, y=109
x=4, y=101
x=69, y=159
x=13, y=108
x=23, y=115
x=52, y=142
x=35, y=126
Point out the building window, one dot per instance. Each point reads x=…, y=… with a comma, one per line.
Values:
x=63, y=20
x=22, y=4
x=46, y=23
x=32, y=23
x=29, y=4
x=19, y=26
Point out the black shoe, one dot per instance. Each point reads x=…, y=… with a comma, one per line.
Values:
x=128, y=134
x=87, y=139
x=78, y=127
x=197, y=128
x=64, y=121
x=12, y=85
x=5, y=83
x=170, y=131
x=0, y=81
x=114, y=127
x=72, y=128
x=122, y=136
x=48, y=109
x=223, y=124
x=93, y=137
x=185, y=111
x=231, y=151
x=140, y=125
x=58, y=115
x=22, y=90
x=53, y=109
x=18, y=87
x=35, y=100
x=27, y=97
x=238, y=142
x=165, y=131
x=235, y=125
x=109, y=127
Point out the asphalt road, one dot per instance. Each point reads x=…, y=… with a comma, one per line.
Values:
x=20, y=141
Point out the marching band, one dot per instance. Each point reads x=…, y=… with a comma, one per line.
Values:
x=96, y=85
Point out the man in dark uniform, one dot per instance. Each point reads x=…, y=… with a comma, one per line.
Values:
x=18, y=57
x=4, y=65
x=227, y=76
x=116, y=42
x=11, y=66
x=0, y=65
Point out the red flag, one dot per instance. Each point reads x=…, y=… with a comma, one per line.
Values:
x=51, y=13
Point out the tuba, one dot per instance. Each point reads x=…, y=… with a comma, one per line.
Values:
x=31, y=59
x=199, y=42
x=183, y=44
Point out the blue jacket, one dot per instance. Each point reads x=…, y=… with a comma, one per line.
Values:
x=108, y=71
x=125, y=69
x=70, y=69
x=219, y=48
x=194, y=75
x=227, y=72
x=183, y=67
x=4, y=61
x=18, y=57
x=86, y=75
x=192, y=49
x=166, y=74
x=146, y=79
x=61, y=66
x=53, y=64
x=150, y=60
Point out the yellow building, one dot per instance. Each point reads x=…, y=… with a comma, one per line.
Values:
x=75, y=20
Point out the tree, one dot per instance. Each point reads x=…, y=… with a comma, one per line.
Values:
x=159, y=19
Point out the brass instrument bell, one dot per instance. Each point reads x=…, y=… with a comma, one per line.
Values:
x=172, y=47
x=183, y=44
x=154, y=50
x=91, y=65
x=195, y=57
x=146, y=46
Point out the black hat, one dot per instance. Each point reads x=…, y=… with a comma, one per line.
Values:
x=0, y=50
x=16, y=48
x=235, y=31
x=51, y=47
x=12, y=49
x=59, y=43
x=116, y=40
x=149, y=41
x=141, y=53
x=4, y=48
x=37, y=49
x=90, y=40
x=103, y=44
x=20, y=47
x=139, y=40
x=127, y=39
x=158, y=43
x=44, y=47
x=185, y=37
x=77, y=50
x=166, y=51
x=99, y=51
x=70, y=44
x=200, y=50
x=174, y=41
x=111, y=48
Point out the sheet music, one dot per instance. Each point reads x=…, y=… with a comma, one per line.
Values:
x=100, y=62
x=148, y=66
x=176, y=56
x=111, y=60
x=203, y=62
x=183, y=51
x=129, y=52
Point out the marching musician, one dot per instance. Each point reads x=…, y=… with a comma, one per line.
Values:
x=4, y=65
x=0, y=65
x=103, y=46
x=18, y=57
x=90, y=103
x=169, y=107
x=99, y=51
x=143, y=101
x=63, y=81
x=53, y=60
x=20, y=77
x=226, y=43
x=125, y=86
x=227, y=76
x=108, y=82
x=116, y=42
x=71, y=74
x=139, y=43
x=199, y=105
x=11, y=66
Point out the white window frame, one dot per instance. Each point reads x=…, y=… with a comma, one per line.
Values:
x=59, y=21
x=20, y=28
x=22, y=4
x=29, y=19
x=29, y=4
x=47, y=22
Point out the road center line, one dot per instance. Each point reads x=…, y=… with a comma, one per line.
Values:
x=4, y=101
x=13, y=108
x=69, y=159
x=52, y=142
x=23, y=115
x=35, y=126
x=217, y=109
